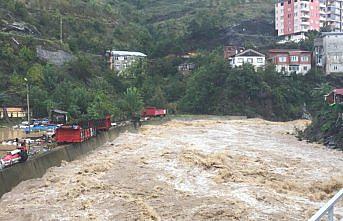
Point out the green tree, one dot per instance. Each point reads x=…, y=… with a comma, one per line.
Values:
x=101, y=106
x=35, y=74
x=132, y=102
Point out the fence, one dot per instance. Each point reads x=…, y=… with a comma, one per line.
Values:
x=328, y=208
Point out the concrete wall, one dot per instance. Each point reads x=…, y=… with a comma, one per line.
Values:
x=37, y=166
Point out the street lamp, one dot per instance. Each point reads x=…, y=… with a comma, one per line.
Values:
x=28, y=102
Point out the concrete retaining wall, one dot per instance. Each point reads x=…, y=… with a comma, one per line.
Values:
x=37, y=166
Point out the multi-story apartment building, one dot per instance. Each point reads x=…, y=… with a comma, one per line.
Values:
x=329, y=52
x=334, y=10
x=293, y=18
x=288, y=61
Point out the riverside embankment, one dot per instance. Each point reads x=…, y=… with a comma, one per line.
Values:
x=37, y=166
x=205, y=169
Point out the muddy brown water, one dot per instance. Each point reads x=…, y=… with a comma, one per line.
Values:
x=214, y=169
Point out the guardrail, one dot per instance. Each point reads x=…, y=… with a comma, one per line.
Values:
x=328, y=208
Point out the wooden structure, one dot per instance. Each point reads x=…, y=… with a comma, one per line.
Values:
x=335, y=97
x=58, y=116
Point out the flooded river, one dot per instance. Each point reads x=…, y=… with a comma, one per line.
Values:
x=214, y=169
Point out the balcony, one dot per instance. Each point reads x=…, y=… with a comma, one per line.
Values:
x=305, y=15
x=305, y=23
x=305, y=8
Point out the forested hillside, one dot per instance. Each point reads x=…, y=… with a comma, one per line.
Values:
x=85, y=84
x=327, y=124
x=81, y=83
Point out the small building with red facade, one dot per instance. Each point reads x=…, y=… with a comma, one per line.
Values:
x=289, y=61
x=335, y=97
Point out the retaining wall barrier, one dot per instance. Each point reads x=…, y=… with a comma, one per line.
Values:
x=37, y=166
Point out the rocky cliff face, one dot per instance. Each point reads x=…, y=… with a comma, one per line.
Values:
x=58, y=57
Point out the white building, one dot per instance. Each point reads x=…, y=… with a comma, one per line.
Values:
x=333, y=11
x=120, y=60
x=257, y=59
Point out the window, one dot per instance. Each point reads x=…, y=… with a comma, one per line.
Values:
x=240, y=60
x=293, y=68
x=305, y=58
x=250, y=60
x=259, y=60
x=305, y=68
x=294, y=58
x=282, y=59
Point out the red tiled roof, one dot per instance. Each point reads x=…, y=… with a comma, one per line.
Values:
x=339, y=91
x=288, y=50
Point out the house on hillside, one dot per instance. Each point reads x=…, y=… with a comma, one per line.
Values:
x=329, y=52
x=120, y=60
x=186, y=68
x=335, y=97
x=13, y=112
x=256, y=59
x=289, y=61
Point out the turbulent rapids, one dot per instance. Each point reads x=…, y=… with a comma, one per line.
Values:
x=213, y=169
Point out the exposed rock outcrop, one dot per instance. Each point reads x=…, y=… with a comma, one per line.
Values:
x=58, y=57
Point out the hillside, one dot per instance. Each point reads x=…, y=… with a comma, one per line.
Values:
x=73, y=75
x=188, y=25
x=30, y=34
x=327, y=124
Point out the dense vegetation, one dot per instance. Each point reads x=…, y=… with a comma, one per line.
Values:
x=216, y=89
x=86, y=87
x=163, y=29
x=327, y=124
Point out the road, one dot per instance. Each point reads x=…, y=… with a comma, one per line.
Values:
x=210, y=169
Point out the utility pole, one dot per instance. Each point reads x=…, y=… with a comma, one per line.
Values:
x=28, y=102
x=61, y=29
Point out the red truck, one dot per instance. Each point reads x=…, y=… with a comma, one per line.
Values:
x=154, y=112
x=73, y=134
